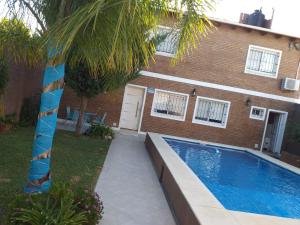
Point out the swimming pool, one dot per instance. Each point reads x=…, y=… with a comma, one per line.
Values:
x=242, y=181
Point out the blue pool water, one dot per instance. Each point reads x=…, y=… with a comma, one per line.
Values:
x=242, y=181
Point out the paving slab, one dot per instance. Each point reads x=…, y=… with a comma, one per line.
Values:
x=129, y=187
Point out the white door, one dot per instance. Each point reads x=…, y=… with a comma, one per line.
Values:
x=132, y=107
x=279, y=132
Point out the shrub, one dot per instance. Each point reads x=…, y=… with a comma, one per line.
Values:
x=60, y=206
x=104, y=132
x=89, y=203
x=29, y=111
x=7, y=123
x=9, y=119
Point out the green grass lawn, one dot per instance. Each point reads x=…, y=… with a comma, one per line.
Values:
x=74, y=159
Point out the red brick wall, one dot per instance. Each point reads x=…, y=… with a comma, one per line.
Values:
x=221, y=57
x=23, y=82
x=240, y=130
x=110, y=103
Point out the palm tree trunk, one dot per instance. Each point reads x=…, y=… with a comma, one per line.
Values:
x=39, y=173
x=83, y=105
x=39, y=178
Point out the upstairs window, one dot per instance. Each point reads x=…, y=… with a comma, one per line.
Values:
x=167, y=41
x=211, y=112
x=263, y=61
x=169, y=105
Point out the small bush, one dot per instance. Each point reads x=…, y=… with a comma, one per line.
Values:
x=60, y=206
x=9, y=119
x=104, y=132
x=29, y=112
x=89, y=203
x=7, y=123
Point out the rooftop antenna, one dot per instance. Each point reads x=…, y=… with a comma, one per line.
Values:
x=273, y=11
x=271, y=20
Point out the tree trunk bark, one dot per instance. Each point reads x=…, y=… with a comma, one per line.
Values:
x=39, y=178
x=83, y=105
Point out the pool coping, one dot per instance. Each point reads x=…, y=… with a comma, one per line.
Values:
x=204, y=206
x=252, y=151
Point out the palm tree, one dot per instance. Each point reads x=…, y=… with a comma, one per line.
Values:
x=106, y=34
x=47, y=13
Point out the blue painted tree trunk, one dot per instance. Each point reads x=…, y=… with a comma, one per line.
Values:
x=39, y=178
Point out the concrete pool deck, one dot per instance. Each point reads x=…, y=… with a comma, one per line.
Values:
x=129, y=187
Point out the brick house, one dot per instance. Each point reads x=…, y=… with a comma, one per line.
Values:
x=231, y=90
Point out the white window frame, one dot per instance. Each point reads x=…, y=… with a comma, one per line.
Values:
x=207, y=123
x=160, y=115
x=257, y=118
x=165, y=53
x=258, y=73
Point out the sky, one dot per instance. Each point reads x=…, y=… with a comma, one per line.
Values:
x=286, y=15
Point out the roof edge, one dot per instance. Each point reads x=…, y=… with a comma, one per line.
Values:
x=252, y=27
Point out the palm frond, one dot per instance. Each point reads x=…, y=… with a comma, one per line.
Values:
x=108, y=33
x=17, y=42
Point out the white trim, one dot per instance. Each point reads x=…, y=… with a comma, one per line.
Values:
x=207, y=123
x=165, y=54
x=164, y=27
x=259, y=73
x=266, y=124
x=167, y=116
x=257, y=118
x=219, y=87
x=143, y=105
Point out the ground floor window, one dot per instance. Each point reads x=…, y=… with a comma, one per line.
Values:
x=211, y=112
x=169, y=105
x=257, y=113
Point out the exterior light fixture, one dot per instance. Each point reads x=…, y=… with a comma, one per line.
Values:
x=248, y=101
x=193, y=94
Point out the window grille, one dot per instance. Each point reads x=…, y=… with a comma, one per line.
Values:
x=169, y=40
x=257, y=113
x=211, y=112
x=262, y=61
x=169, y=105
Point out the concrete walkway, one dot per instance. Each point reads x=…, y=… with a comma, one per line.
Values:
x=129, y=187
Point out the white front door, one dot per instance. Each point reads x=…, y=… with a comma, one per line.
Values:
x=132, y=107
x=274, y=131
